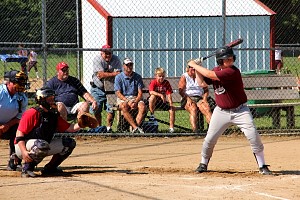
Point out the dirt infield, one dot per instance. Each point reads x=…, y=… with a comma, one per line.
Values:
x=162, y=168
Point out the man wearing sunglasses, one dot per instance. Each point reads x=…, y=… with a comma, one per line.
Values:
x=128, y=88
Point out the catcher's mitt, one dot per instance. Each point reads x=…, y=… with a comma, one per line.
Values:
x=87, y=120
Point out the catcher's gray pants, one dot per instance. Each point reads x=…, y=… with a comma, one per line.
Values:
x=56, y=147
x=221, y=119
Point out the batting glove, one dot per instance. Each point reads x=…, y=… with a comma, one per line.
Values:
x=198, y=61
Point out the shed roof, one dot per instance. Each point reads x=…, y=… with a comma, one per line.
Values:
x=179, y=8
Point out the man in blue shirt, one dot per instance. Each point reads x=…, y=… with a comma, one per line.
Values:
x=13, y=103
x=128, y=88
x=67, y=89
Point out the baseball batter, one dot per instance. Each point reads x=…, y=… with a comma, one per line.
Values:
x=231, y=107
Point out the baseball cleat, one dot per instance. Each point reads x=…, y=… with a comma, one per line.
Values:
x=14, y=163
x=264, y=170
x=28, y=174
x=201, y=168
x=47, y=171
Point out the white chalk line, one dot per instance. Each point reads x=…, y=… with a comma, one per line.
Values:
x=271, y=196
x=230, y=187
x=236, y=187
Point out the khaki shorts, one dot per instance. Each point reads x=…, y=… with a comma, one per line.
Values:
x=129, y=98
x=195, y=99
x=73, y=110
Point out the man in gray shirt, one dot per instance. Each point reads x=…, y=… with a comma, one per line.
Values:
x=106, y=66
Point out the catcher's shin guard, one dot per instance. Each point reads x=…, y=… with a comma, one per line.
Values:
x=57, y=159
x=39, y=150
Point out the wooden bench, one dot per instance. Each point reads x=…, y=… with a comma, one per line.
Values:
x=112, y=100
x=279, y=92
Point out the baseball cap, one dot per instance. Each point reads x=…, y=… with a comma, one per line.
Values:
x=106, y=48
x=10, y=75
x=19, y=78
x=15, y=76
x=61, y=65
x=127, y=61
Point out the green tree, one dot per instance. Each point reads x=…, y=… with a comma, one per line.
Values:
x=61, y=21
x=287, y=21
x=21, y=21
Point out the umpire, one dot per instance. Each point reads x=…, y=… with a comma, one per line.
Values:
x=13, y=102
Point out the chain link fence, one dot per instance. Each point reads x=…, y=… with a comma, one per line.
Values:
x=154, y=34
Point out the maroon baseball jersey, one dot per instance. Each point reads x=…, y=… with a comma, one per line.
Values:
x=229, y=91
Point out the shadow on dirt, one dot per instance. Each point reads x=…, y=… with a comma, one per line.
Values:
x=79, y=170
x=288, y=172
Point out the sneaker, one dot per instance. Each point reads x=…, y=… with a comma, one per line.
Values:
x=13, y=167
x=201, y=168
x=171, y=130
x=264, y=170
x=46, y=171
x=28, y=174
x=109, y=130
x=138, y=130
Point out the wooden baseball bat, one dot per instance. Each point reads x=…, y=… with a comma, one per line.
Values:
x=231, y=44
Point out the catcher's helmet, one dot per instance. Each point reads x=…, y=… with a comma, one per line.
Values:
x=41, y=97
x=224, y=53
x=19, y=78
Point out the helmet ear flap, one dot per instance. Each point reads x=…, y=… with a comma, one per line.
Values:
x=220, y=62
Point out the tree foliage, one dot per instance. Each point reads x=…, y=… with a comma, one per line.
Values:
x=287, y=20
x=21, y=21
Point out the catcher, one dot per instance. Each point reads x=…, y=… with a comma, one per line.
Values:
x=34, y=138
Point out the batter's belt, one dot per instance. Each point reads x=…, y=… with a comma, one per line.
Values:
x=235, y=109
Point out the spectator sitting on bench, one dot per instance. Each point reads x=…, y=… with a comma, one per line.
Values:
x=67, y=89
x=128, y=87
x=160, y=91
x=106, y=66
x=194, y=97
